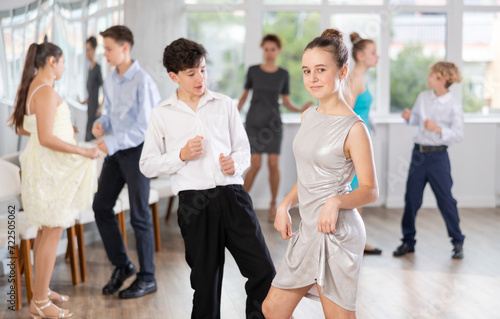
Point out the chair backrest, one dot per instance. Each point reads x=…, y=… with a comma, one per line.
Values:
x=13, y=158
x=10, y=181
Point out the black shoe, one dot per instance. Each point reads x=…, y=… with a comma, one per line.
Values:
x=458, y=252
x=117, y=278
x=374, y=251
x=403, y=250
x=138, y=289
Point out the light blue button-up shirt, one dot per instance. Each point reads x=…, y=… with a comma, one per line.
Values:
x=128, y=102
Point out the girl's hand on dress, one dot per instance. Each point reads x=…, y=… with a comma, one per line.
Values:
x=283, y=222
x=91, y=153
x=328, y=216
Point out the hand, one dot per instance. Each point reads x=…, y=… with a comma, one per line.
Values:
x=406, y=114
x=75, y=129
x=306, y=106
x=97, y=130
x=193, y=149
x=328, y=216
x=98, y=113
x=92, y=153
x=283, y=222
x=101, y=145
x=226, y=164
x=432, y=126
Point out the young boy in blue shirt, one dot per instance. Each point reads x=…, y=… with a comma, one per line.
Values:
x=130, y=94
x=439, y=118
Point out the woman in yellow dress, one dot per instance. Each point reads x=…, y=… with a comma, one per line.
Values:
x=58, y=176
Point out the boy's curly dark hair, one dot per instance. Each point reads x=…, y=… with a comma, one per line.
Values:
x=183, y=54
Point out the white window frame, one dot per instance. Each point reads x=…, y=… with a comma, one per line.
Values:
x=454, y=10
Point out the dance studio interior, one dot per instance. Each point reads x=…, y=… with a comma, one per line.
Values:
x=439, y=277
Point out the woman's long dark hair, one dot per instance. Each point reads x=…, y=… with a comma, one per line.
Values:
x=36, y=58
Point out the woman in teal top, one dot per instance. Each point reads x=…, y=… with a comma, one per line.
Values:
x=364, y=53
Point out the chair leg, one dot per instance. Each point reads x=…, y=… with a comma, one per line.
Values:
x=156, y=225
x=121, y=223
x=169, y=209
x=72, y=254
x=27, y=268
x=81, y=251
x=14, y=259
x=66, y=256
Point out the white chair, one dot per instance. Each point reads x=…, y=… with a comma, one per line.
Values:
x=12, y=158
x=164, y=187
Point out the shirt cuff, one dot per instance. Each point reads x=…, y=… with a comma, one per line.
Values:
x=111, y=145
x=445, y=134
x=174, y=159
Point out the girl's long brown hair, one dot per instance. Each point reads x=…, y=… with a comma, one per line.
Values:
x=36, y=58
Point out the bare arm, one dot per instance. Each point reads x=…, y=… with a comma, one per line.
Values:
x=45, y=125
x=358, y=147
x=283, y=221
x=242, y=100
x=291, y=106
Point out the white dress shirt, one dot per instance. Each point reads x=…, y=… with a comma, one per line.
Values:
x=445, y=111
x=173, y=123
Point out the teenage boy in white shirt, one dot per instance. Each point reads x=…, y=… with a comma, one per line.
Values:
x=198, y=138
x=439, y=118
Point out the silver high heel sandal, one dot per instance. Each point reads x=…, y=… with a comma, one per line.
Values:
x=48, y=303
x=63, y=297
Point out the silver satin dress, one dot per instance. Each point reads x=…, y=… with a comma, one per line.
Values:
x=331, y=260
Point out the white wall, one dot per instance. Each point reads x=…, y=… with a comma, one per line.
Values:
x=152, y=33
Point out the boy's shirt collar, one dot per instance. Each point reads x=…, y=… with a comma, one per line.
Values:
x=173, y=100
x=129, y=74
x=441, y=99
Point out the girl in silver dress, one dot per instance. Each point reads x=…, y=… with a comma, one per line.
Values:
x=324, y=256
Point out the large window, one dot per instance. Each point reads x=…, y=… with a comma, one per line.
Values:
x=417, y=42
x=60, y=22
x=410, y=35
x=481, y=62
x=223, y=35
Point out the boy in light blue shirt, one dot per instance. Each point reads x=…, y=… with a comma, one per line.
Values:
x=130, y=94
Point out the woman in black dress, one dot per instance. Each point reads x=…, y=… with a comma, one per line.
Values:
x=263, y=123
x=94, y=82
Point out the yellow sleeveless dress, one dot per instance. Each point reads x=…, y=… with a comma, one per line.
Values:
x=56, y=186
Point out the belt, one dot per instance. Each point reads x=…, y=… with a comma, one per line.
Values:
x=430, y=148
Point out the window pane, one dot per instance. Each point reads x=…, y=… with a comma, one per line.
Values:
x=223, y=36
x=284, y=2
x=3, y=71
x=69, y=39
x=368, y=27
x=418, y=41
x=357, y=2
x=482, y=2
x=481, y=62
x=296, y=30
x=9, y=57
x=45, y=27
x=18, y=58
x=94, y=6
x=419, y=2
x=213, y=1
